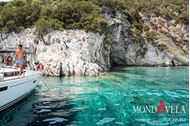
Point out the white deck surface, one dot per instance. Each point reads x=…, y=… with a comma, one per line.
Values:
x=10, y=70
x=7, y=70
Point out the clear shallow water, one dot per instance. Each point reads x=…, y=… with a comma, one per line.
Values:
x=106, y=100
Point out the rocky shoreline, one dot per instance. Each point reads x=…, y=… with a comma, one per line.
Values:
x=76, y=52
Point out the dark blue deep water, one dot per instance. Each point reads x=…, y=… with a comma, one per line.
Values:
x=107, y=100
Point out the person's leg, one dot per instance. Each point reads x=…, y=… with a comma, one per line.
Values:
x=21, y=69
x=21, y=65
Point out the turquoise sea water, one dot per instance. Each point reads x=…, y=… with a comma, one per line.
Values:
x=106, y=100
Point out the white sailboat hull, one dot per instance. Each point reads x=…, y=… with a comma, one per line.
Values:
x=13, y=90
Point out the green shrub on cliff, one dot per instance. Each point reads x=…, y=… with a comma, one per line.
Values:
x=115, y=5
x=67, y=14
x=43, y=25
x=164, y=47
x=151, y=34
x=16, y=15
x=168, y=9
x=80, y=15
x=84, y=14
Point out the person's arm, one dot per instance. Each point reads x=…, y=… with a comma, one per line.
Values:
x=24, y=54
x=15, y=60
x=16, y=52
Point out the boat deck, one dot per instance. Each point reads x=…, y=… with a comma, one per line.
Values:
x=6, y=70
x=13, y=73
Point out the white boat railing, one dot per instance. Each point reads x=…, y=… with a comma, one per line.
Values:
x=3, y=66
x=3, y=72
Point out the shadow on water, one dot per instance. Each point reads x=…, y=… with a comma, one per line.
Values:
x=48, y=111
x=54, y=113
x=7, y=115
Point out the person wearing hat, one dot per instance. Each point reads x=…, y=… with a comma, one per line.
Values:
x=21, y=54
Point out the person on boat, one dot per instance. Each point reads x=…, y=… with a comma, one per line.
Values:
x=7, y=60
x=21, y=57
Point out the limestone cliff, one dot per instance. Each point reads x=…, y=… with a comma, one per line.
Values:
x=169, y=46
x=71, y=52
x=76, y=52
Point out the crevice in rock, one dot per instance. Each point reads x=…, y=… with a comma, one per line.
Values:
x=61, y=70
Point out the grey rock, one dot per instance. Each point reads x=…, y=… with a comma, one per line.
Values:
x=76, y=52
x=125, y=50
x=72, y=52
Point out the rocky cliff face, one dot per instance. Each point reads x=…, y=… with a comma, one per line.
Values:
x=170, y=47
x=75, y=52
x=66, y=53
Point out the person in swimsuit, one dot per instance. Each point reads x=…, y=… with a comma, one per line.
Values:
x=21, y=56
